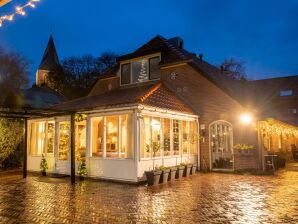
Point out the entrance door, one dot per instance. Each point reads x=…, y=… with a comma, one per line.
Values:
x=221, y=145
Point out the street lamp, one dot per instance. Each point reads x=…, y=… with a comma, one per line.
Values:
x=246, y=118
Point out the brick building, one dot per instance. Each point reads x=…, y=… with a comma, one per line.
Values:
x=159, y=105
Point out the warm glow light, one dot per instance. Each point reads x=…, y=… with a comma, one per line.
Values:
x=246, y=118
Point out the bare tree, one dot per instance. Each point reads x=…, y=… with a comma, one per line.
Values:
x=234, y=69
x=14, y=73
x=82, y=72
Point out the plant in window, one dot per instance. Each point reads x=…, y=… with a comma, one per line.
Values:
x=82, y=170
x=43, y=166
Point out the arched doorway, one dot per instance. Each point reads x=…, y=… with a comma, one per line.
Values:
x=221, y=145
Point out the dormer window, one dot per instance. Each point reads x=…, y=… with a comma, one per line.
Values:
x=287, y=92
x=139, y=71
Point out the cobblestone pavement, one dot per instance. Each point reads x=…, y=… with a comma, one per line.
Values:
x=203, y=198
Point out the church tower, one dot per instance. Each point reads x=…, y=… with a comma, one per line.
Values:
x=49, y=63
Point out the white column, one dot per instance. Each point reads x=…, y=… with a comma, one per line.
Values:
x=104, y=129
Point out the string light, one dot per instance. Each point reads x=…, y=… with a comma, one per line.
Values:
x=20, y=10
x=277, y=128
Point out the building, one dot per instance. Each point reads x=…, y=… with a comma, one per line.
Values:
x=159, y=105
x=42, y=94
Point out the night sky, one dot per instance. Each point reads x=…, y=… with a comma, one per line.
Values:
x=264, y=34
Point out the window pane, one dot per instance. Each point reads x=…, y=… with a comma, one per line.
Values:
x=64, y=140
x=145, y=137
x=51, y=137
x=80, y=149
x=126, y=150
x=166, y=136
x=125, y=73
x=176, y=137
x=185, y=142
x=112, y=136
x=37, y=138
x=154, y=68
x=194, y=137
x=139, y=71
x=155, y=141
x=97, y=136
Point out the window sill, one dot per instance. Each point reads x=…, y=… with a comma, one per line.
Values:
x=109, y=158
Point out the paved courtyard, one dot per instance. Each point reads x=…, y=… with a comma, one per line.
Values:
x=203, y=198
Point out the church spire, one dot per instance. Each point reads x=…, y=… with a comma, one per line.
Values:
x=49, y=63
x=50, y=60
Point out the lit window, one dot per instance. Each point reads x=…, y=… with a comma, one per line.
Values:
x=166, y=136
x=42, y=135
x=115, y=140
x=176, y=137
x=64, y=140
x=288, y=92
x=185, y=143
x=80, y=145
x=97, y=137
x=139, y=71
x=145, y=137
x=193, y=137
x=155, y=140
x=112, y=136
x=126, y=136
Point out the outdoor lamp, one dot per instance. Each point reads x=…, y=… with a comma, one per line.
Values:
x=246, y=118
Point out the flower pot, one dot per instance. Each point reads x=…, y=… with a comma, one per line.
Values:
x=164, y=176
x=153, y=177
x=179, y=173
x=187, y=170
x=172, y=173
x=44, y=173
x=193, y=169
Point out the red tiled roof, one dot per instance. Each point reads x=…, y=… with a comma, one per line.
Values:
x=156, y=95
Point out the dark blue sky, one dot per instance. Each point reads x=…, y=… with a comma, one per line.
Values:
x=262, y=33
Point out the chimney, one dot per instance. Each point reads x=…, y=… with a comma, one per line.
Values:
x=201, y=57
x=176, y=41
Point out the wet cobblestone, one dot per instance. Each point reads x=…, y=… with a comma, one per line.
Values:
x=203, y=198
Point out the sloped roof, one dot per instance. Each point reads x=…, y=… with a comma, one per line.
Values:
x=34, y=97
x=156, y=95
x=50, y=60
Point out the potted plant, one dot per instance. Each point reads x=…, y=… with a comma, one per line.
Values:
x=172, y=174
x=43, y=166
x=187, y=168
x=180, y=170
x=193, y=169
x=165, y=174
x=82, y=170
x=153, y=176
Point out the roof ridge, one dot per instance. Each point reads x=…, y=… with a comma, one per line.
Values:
x=150, y=92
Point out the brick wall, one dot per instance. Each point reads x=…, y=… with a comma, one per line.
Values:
x=245, y=161
x=210, y=102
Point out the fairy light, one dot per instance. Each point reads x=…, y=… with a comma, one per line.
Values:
x=20, y=10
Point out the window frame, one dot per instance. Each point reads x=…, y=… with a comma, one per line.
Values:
x=44, y=150
x=286, y=92
x=104, y=130
x=147, y=58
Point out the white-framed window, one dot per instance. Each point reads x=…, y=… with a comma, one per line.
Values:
x=138, y=71
x=167, y=137
x=111, y=136
x=64, y=140
x=42, y=137
x=287, y=92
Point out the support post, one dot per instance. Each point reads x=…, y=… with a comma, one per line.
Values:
x=25, y=149
x=72, y=149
